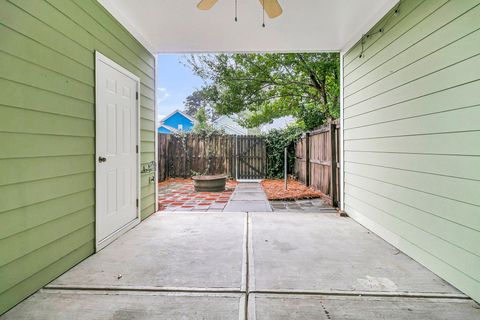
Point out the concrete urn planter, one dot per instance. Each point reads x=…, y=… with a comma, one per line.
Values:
x=209, y=183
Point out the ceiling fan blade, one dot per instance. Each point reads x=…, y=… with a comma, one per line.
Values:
x=206, y=4
x=272, y=8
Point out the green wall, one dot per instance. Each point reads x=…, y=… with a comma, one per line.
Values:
x=412, y=136
x=47, y=134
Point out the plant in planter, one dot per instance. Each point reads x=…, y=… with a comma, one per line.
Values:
x=206, y=182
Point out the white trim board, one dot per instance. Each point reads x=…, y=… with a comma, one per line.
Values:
x=370, y=23
x=99, y=57
x=341, y=152
x=155, y=115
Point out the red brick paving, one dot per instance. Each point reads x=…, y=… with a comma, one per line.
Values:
x=181, y=196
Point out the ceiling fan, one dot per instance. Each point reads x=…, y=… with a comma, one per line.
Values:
x=271, y=7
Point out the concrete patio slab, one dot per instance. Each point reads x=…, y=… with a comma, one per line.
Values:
x=184, y=265
x=248, y=186
x=169, y=251
x=248, y=206
x=324, y=253
x=248, y=197
x=93, y=305
x=308, y=307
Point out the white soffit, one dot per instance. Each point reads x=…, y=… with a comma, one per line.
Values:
x=177, y=26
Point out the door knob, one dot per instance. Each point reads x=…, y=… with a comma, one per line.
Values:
x=102, y=159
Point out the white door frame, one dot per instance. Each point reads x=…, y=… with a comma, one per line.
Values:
x=155, y=114
x=101, y=244
x=341, y=146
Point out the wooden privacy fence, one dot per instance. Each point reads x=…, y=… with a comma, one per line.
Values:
x=240, y=157
x=316, y=160
x=251, y=157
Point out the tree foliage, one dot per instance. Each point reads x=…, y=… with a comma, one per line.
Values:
x=201, y=121
x=196, y=100
x=202, y=125
x=193, y=103
x=276, y=141
x=269, y=86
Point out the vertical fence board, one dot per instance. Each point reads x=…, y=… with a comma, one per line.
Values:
x=227, y=155
x=316, y=160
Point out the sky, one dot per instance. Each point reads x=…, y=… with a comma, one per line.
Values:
x=175, y=82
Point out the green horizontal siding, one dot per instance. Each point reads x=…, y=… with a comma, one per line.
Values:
x=412, y=135
x=44, y=275
x=47, y=135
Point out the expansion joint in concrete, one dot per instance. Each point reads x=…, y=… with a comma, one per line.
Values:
x=247, y=262
x=144, y=289
x=379, y=294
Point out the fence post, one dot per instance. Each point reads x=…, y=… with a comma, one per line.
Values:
x=285, y=166
x=159, y=156
x=236, y=157
x=307, y=159
x=333, y=166
x=166, y=165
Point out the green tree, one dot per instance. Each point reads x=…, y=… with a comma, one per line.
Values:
x=202, y=125
x=197, y=100
x=201, y=122
x=269, y=86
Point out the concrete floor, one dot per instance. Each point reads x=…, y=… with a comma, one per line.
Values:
x=167, y=252
x=248, y=197
x=255, y=266
x=307, y=252
x=124, y=305
x=312, y=307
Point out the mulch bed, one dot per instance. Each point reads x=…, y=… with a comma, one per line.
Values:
x=275, y=190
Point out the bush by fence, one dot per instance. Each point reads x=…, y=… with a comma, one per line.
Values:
x=277, y=140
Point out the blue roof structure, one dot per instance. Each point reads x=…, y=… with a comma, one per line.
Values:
x=176, y=121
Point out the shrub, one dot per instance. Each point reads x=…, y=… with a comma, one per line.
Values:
x=276, y=142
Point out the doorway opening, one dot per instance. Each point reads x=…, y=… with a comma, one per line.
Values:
x=117, y=163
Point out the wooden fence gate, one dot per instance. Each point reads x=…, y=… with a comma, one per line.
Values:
x=240, y=157
x=316, y=160
x=251, y=157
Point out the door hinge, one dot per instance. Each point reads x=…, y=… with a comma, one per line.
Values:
x=136, y=95
x=136, y=148
x=136, y=203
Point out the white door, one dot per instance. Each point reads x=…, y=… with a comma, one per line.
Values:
x=117, y=168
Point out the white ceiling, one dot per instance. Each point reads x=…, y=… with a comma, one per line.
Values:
x=177, y=26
